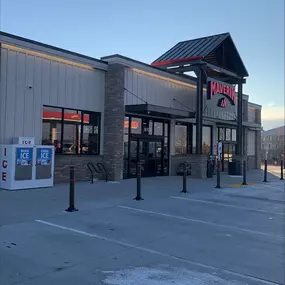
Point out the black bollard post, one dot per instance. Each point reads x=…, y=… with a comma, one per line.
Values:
x=71, y=207
x=139, y=174
x=218, y=175
x=282, y=167
x=244, y=173
x=184, y=190
x=265, y=171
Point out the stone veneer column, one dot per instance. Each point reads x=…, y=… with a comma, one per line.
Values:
x=114, y=121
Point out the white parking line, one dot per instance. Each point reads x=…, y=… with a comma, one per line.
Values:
x=202, y=222
x=225, y=205
x=132, y=246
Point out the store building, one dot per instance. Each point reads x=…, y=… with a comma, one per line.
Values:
x=117, y=110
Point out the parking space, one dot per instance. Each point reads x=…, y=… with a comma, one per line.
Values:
x=227, y=236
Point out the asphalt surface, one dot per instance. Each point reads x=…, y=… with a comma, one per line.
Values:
x=233, y=235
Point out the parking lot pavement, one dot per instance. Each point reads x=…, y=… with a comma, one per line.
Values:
x=207, y=236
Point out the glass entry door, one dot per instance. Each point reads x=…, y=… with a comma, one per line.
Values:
x=229, y=150
x=150, y=153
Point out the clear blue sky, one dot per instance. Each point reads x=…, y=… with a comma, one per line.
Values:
x=145, y=29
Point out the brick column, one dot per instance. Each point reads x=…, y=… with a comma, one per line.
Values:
x=114, y=121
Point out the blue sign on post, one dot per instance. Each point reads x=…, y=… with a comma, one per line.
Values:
x=44, y=156
x=24, y=156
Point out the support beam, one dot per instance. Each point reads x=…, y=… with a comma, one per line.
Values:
x=239, y=121
x=199, y=110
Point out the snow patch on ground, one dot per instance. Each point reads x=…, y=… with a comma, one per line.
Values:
x=163, y=275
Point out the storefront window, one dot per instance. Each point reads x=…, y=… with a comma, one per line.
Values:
x=90, y=134
x=180, y=139
x=234, y=135
x=136, y=126
x=166, y=129
x=206, y=137
x=158, y=129
x=126, y=125
x=222, y=135
x=71, y=131
x=228, y=134
x=51, y=133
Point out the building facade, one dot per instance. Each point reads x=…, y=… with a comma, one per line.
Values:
x=273, y=142
x=117, y=111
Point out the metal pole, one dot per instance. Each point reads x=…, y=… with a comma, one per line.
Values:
x=218, y=175
x=138, y=197
x=199, y=110
x=282, y=167
x=244, y=173
x=184, y=190
x=71, y=207
x=265, y=170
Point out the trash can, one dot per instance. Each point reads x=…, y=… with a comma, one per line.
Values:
x=234, y=167
x=209, y=168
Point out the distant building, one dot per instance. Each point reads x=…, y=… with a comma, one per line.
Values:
x=273, y=141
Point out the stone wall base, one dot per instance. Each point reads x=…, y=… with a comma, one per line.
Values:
x=198, y=164
x=82, y=173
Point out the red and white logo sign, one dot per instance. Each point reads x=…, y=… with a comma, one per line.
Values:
x=228, y=91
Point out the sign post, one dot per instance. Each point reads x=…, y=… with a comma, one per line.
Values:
x=220, y=148
x=184, y=190
x=139, y=174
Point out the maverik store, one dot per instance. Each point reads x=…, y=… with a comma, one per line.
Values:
x=117, y=110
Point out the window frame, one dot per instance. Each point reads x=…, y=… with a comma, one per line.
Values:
x=80, y=138
x=190, y=143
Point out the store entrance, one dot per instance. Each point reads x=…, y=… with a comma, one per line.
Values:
x=229, y=150
x=149, y=152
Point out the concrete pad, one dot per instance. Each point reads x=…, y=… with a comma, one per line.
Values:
x=106, y=244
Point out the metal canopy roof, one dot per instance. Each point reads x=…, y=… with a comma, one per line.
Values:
x=217, y=51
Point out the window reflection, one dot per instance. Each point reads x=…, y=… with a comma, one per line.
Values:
x=228, y=134
x=71, y=127
x=126, y=125
x=206, y=137
x=234, y=135
x=90, y=136
x=136, y=125
x=51, y=132
x=222, y=135
x=180, y=139
x=158, y=129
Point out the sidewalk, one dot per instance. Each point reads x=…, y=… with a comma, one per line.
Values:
x=24, y=205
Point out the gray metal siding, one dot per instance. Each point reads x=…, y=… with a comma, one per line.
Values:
x=161, y=92
x=157, y=91
x=53, y=83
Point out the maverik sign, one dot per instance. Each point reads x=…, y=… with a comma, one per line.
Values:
x=228, y=91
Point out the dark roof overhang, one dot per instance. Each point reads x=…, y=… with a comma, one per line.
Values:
x=159, y=111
